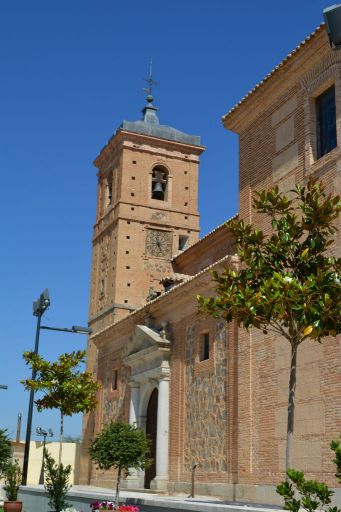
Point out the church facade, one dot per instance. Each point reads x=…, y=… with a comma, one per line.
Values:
x=212, y=397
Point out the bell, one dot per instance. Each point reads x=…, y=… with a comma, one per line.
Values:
x=158, y=192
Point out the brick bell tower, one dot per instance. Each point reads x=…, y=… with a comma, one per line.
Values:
x=147, y=211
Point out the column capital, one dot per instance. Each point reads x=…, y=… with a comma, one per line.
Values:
x=164, y=371
x=134, y=384
x=164, y=376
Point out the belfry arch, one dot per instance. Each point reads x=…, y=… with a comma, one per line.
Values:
x=147, y=355
x=159, y=189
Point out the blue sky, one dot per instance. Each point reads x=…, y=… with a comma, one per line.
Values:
x=70, y=73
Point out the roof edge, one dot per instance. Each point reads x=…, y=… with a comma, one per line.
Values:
x=274, y=71
x=228, y=257
x=210, y=233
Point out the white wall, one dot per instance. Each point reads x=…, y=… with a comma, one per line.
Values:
x=70, y=455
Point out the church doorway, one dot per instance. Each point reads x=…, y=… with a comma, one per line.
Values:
x=151, y=431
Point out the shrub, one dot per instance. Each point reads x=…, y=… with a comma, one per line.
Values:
x=310, y=495
x=5, y=451
x=13, y=481
x=57, y=478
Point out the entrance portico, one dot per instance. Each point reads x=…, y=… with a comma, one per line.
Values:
x=147, y=355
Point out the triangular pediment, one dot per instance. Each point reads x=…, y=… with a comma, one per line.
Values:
x=145, y=338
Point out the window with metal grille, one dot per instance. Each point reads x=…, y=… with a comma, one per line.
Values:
x=205, y=346
x=108, y=190
x=114, y=380
x=326, y=122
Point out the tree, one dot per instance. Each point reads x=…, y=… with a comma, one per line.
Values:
x=57, y=477
x=287, y=283
x=121, y=446
x=66, y=387
x=5, y=451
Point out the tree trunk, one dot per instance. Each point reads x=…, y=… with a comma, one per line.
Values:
x=291, y=407
x=118, y=484
x=61, y=437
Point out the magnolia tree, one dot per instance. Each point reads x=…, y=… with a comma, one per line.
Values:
x=65, y=386
x=287, y=283
x=121, y=446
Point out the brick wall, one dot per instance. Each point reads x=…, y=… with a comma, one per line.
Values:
x=278, y=146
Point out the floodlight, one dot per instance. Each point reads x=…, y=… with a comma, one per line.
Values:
x=332, y=18
x=81, y=329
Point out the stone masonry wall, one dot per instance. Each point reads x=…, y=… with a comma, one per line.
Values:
x=205, y=402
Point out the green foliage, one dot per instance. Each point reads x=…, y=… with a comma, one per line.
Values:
x=336, y=447
x=5, y=450
x=66, y=387
x=72, y=439
x=287, y=283
x=310, y=495
x=121, y=446
x=13, y=476
x=57, y=477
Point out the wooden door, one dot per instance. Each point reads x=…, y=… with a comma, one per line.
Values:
x=151, y=431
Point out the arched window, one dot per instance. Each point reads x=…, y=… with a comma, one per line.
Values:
x=159, y=183
x=109, y=190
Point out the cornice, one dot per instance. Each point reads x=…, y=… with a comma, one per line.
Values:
x=121, y=135
x=113, y=150
x=249, y=107
x=168, y=153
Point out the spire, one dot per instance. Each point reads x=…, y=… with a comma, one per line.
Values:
x=149, y=111
x=149, y=123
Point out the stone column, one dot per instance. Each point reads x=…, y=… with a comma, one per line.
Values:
x=135, y=479
x=159, y=483
x=134, y=402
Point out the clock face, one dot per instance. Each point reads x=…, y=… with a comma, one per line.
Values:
x=159, y=243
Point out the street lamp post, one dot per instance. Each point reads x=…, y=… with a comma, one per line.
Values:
x=39, y=307
x=41, y=432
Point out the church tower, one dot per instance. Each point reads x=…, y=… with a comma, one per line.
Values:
x=147, y=212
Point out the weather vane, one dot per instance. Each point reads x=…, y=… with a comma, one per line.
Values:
x=150, y=82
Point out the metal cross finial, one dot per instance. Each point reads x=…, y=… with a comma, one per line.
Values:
x=150, y=82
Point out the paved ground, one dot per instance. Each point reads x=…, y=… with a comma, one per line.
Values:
x=35, y=500
x=81, y=496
